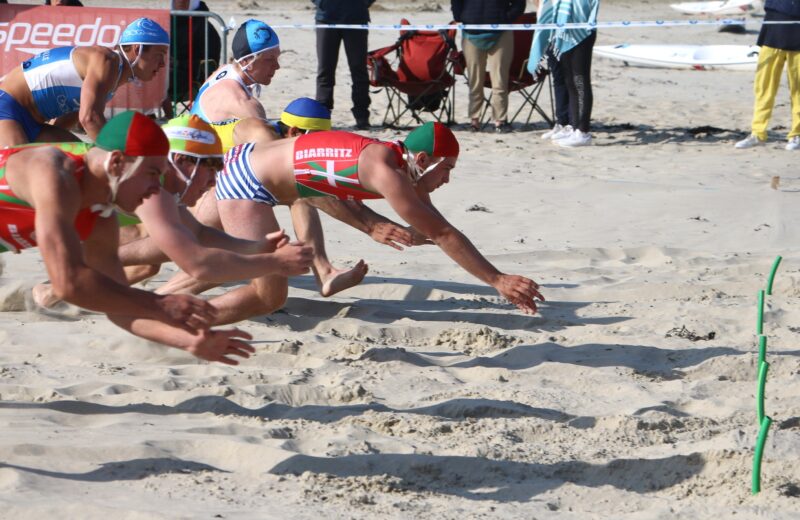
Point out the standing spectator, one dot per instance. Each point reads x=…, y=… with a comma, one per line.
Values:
x=179, y=51
x=573, y=48
x=779, y=44
x=65, y=3
x=355, y=47
x=561, y=94
x=482, y=47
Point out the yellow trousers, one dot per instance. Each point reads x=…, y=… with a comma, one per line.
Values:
x=768, y=79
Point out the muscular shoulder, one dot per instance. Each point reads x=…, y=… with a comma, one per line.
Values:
x=94, y=57
x=228, y=89
x=41, y=169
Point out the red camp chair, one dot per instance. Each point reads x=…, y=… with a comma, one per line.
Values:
x=418, y=77
x=528, y=86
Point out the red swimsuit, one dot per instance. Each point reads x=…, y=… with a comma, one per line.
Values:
x=326, y=163
x=17, y=217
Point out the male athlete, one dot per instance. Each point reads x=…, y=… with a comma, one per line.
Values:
x=62, y=199
x=347, y=166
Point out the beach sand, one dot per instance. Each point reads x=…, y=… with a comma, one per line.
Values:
x=420, y=393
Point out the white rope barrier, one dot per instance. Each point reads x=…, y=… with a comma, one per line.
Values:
x=623, y=24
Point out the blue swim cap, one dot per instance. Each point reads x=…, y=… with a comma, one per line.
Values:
x=253, y=37
x=307, y=114
x=144, y=31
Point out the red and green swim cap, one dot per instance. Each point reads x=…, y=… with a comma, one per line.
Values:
x=133, y=134
x=433, y=138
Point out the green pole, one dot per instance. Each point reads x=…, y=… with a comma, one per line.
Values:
x=763, y=368
x=762, y=349
x=759, y=453
x=775, y=265
x=760, y=321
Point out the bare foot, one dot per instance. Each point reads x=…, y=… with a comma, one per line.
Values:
x=339, y=280
x=43, y=295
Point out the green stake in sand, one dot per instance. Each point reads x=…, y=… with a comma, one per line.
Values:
x=763, y=368
x=775, y=265
x=762, y=349
x=762, y=438
x=760, y=321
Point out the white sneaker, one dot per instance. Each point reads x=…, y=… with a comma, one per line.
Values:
x=749, y=142
x=565, y=132
x=794, y=143
x=577, y=138
x=553, y=131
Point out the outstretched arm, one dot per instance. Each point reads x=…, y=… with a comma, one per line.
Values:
x=218, y=345
x=160, y=216
x=403, y=198
x=359, y=216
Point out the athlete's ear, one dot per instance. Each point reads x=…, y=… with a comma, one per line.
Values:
x=423, y=160
x=294, y=131
x=115, y=162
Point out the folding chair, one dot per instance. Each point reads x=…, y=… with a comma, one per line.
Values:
x=419, y=77
x=528, y=86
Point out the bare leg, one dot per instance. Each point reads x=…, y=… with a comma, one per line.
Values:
x=11, y=133
x=308, y=228
x=205, y=209
x=253, y=130
x=250, y=220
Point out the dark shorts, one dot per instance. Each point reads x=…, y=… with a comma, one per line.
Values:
x=11, y=109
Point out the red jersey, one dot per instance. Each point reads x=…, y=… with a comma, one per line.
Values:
x=17, y=217
x=326, y=163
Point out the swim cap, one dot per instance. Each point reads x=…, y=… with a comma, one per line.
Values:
x=133, y=134
x=306, y=114
x=433, y=138
x=144, y=31
x=190, y=135
x=253, y=37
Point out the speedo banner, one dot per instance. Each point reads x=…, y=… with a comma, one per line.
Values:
x=27, y=30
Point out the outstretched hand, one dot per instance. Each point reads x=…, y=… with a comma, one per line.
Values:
x=520, y=291
x=220, y=345
x=395, y=235
x=275, y=240
x=186, y=311
x=294, y=258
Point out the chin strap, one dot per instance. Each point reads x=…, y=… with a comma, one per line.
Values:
x=187, y=180
x=255, y=86
x=108, y=209
x=414, y=172
x=136, y=81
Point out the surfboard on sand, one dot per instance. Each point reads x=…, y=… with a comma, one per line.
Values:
x=715, y=7
x=697, y=57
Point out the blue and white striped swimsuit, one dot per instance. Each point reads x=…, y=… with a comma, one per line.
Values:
x=237, y=181
x=55, y=83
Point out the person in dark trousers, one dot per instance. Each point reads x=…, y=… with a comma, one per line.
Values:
x=561, y=94
x=355, y=47
x=492, y=48
x=573, y=49
x=179, y=52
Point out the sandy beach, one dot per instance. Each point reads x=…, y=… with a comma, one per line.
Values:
x=420, y=393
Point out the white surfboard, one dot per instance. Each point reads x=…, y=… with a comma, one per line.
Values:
x=716, y=7
x=697, y=57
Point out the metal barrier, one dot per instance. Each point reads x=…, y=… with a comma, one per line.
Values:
x=223, y=32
